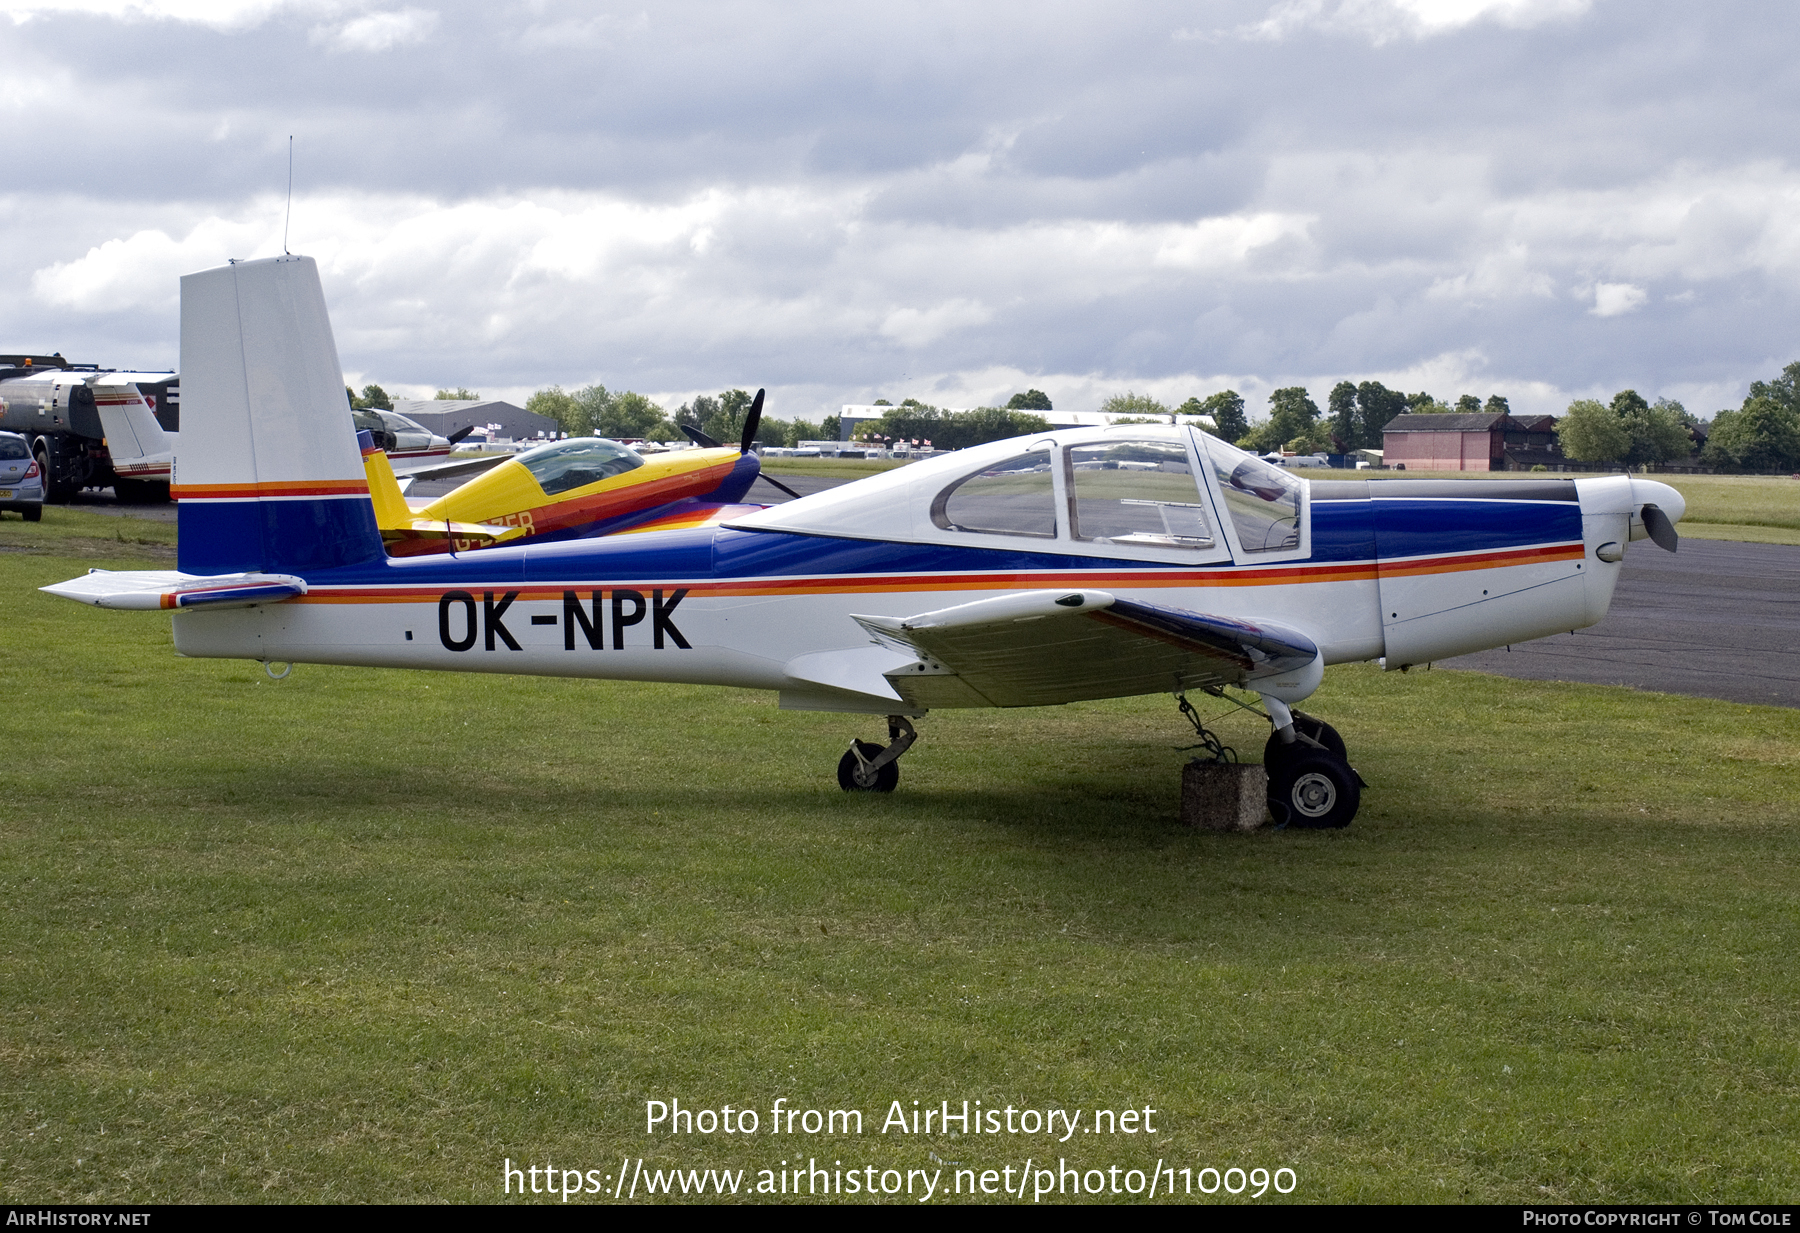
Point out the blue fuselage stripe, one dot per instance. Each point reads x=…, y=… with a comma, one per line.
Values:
x=223, y=537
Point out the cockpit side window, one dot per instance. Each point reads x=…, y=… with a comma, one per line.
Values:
x=1263, y=501
x=1015, y=497
x=574, y=464
x=1136, y=492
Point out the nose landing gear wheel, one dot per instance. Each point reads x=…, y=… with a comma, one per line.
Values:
x=1314, y=790
x=856, y=775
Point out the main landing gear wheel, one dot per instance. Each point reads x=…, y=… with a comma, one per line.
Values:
x=858, y=775
x=1309, y=726
x=1314, y=789
x=869, y=767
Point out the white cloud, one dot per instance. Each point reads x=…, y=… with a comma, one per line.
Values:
x=915, y=327
x=574, y=34
x=1216, y=243
x=216, y=14
x=1617, y=299
x=1382, y=21
x=142, y=271
x=592, y=278
x=374, y=32
x=1437, y=15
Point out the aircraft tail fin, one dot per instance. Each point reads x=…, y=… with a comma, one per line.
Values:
x=132, y=433
x=391, y=510
x=268, y=474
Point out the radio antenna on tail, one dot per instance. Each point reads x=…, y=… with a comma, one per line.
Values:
x=288, y=217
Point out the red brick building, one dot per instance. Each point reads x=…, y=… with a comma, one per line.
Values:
x=1482, y=441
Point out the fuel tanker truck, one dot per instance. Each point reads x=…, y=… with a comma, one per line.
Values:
x=93, y=427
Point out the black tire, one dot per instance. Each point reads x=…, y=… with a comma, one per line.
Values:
x=1314, y=790
x=140, y=492
x=1307, y=725
x=33, y=513
x=885, y=779
x=55, y=493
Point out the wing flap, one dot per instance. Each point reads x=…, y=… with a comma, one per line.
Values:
x=1041, y=648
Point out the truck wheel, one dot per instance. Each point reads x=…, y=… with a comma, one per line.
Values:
x=55, y=491
x=33, y=513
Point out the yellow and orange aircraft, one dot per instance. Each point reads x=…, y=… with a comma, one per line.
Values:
x=570, y=489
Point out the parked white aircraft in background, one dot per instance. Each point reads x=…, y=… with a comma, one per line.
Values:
x=1085, y=563
x=142, y=451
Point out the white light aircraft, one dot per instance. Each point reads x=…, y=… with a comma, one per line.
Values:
x=1071, y=565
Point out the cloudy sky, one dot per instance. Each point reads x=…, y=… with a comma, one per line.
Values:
x=1546, y=199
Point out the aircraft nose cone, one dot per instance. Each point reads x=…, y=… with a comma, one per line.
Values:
x=1665, y=498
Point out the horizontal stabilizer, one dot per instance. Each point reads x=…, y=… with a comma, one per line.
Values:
x=1041, y=648
x=437, y=469
x=148, y=590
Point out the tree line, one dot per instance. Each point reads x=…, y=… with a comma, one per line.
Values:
x=595, y=411
x=1761, y=435
x=922, y=424
x=1354, y=417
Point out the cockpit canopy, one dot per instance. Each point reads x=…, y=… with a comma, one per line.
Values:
x=375, y=421
x=1169, y=490
x=578, y=462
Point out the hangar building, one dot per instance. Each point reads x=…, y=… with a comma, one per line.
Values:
x=445, y=415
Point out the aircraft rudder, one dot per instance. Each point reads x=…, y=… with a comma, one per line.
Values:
x=268, y=474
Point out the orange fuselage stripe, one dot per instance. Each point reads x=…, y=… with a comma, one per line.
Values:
x=273, y=488
x=888, y=584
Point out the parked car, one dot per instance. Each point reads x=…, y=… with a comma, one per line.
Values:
x=21, y=480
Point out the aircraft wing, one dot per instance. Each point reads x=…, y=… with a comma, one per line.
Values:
x=167, y=588
x=1041, y=648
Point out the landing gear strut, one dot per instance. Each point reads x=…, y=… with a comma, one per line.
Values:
x=869, y=767
x=1310, y=782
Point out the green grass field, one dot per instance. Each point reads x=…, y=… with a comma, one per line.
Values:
x=363, y=935
x=840, y=468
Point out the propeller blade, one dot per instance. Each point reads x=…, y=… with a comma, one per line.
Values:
x=777, y=483
x=752, y=422
x=1661, y=529
x=699, y=438
x=460, y=433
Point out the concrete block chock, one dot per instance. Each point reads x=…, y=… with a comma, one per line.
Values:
x=1224, y=796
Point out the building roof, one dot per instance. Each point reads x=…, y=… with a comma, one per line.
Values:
x=1482, y=421
x=446, y=415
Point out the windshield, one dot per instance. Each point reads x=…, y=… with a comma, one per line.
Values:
x=399, y=423
x=13, y=447
x=575, y=464
x=1263, y=501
